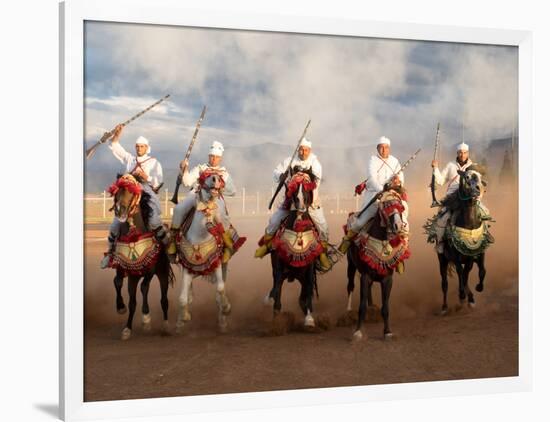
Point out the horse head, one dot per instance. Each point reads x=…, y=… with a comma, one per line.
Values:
x=126, y=193
x=211, y=184
x=471, y=183
x=390, y=209
x=299, y=190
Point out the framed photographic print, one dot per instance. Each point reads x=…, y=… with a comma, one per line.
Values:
x=264, y=211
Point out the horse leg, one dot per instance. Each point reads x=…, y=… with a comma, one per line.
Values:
x=358, y=335
x=467, y=268
x=307, y=294
x=224, y=307
x=277, y=287
x=443, y=267
x=132, y=289
x=118, y=282
x=386, y=285
x=184, y=315
x=352, y=269
x=460, y=275
x=145, y=314
x=482, y=272
x=164, y=282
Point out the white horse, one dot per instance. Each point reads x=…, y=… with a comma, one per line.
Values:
x=200, y=249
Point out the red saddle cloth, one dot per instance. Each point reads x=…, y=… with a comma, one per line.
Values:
x=298, y=247
x=136, y=253
x=382, y=255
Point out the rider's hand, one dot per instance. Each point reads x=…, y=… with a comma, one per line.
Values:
x=434, y=164
x=116, y=133
x=140, y=175
x=360, y=188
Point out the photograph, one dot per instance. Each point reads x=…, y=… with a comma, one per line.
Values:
x=273, y=211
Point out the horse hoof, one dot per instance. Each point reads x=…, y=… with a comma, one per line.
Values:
x=226, y=310
x=126, y=334
x=165, y=330
x=309, y=321
x=179, y=327
x=146, y=322
x=444, y=311
x=388, y=336
x=479, y=288
x=471, y=305
x=121, y=311
x=268, y=300
x=357, y=335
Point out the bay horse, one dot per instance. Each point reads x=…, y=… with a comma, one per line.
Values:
x=200, y=244
x=296, y=246
x=138, y=255
x=466, y=237
x=377, y=250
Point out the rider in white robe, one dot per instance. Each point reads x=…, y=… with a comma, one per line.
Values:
x=190, y=179
x=148, y=172
x=450, y=176
x=305, y=160
x=383, y=168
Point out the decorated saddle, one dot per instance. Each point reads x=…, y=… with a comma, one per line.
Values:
x=469, y=242
x=135, y=253
x=299, y=246
x=381, y=255
x=205, y=257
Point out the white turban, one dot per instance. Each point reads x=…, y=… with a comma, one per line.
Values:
x=384, y=141
x=216, y=149
x=462, y=147
x=142, y=140
x=305, y=143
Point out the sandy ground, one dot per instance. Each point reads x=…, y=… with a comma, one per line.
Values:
x=477, y=343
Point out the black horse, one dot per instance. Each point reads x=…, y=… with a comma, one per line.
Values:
x=162, y=269
x=301, y=265
x=463, y=204
x=387, y=226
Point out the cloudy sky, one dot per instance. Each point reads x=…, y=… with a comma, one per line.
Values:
x=263, y=87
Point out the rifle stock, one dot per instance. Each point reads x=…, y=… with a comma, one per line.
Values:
x=176, y=190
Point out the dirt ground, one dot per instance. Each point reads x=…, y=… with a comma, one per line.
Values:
x=465, y=344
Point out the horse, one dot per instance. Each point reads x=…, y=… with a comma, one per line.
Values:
x=200, y=244
x=137, y=255
x=296, y=247
x=377, y=250
x=466, y=236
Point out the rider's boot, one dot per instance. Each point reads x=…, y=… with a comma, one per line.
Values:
x=265, y=246
x=107, y=258
x=323, y=258
x=346, y=241
x=228, y=246
x=171, y=249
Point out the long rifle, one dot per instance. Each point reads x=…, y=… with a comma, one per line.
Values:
x=287, y=171
x=435, y=202
x=108, y=135
x=379, y=194
x=187, y=155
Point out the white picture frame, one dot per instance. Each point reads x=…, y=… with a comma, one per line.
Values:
x=73, y=14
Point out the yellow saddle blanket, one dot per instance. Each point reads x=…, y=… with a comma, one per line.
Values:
x=472, y=239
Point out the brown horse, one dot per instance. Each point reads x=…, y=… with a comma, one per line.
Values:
x=379, y=249
x=137, y=255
